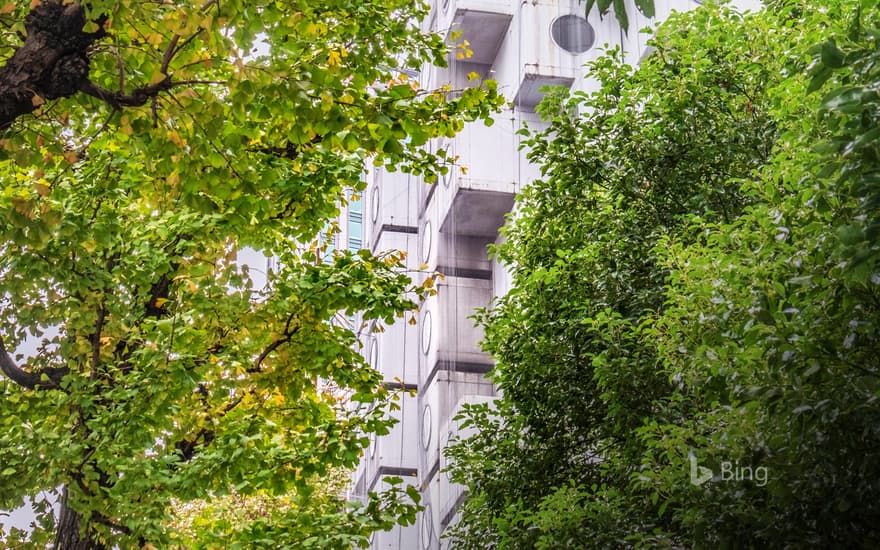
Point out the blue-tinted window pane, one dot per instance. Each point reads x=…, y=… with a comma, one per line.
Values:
x=355, y=229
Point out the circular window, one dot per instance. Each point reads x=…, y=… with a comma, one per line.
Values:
x=426, y=241
x=426, y=332
x=374, y=353
x=374, y=199
x=446, y=146
x=427, y=527
x=426, y=426
x=573, y=34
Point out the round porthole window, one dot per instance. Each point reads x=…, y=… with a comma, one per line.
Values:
x=446, y=146
x=374, y=353
x=374, y=203
x=427, y=527
x=427, y=237
x=573, y=34
x=426, y=332
x=426, y=427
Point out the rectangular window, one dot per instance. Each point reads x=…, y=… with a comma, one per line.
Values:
x=355, y=225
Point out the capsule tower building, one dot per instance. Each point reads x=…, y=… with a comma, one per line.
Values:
x=524, y=45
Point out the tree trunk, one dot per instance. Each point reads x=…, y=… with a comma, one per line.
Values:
x=67, y=532
x=51, y=63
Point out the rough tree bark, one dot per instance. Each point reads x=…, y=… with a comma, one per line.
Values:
x=52, y=62
x=67, y=534
x=67, y=529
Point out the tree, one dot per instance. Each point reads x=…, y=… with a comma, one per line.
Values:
x=646, y=7
x=142, y=144
x=694, y=287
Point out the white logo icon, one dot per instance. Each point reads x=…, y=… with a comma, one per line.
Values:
x=699, y=474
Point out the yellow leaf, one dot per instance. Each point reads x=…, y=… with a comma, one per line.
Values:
x=473, y=75
x=23, y=206
x=37, y=100
x=176, y=139
x=126, y=129
x=10, y=7
x=326, y=101
x=42, y=188
x=154, y=39
x=157, y=77
x=90, y=245
x=161, y=302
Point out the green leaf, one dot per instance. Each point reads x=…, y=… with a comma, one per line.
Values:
x=646, y=7
x=819, y=78
x=832, y=56
x=620, y=13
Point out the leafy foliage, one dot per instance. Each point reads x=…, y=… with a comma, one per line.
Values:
x=164, y=374
x=694, y=284
x=604, y=6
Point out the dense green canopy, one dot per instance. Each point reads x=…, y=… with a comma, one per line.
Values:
x=142, y=144
x=688, y=356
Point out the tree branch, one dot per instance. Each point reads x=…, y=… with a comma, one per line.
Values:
x=118, y=100
x=285, y=337
x=26, y=379
x=52, y=62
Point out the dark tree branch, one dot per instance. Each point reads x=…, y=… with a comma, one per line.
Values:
x=288, y=151
x=258, y=364
x=118, y=100
x=52, y=62
x=26, y=379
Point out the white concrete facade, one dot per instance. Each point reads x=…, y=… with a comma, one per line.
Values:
x=448, y=226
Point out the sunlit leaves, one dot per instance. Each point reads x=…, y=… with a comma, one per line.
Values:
x=191, y=376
